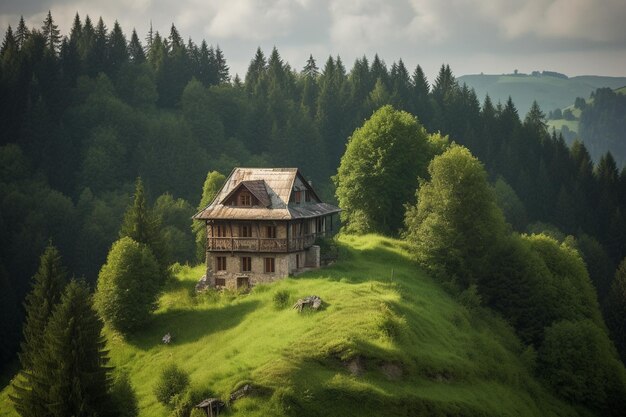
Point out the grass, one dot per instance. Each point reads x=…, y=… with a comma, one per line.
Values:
x=388, y=340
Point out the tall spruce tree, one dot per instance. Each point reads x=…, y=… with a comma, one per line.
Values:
x=52, y=34
x=140, y=225
x=69, y=374
x=21, y=33
x=48, y=284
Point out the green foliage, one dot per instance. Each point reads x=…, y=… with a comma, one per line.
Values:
x=379, y=171
x=577, y=360
x=173, y=215
x=615, y=310
x=124, y=396
x=281, y=299
x=212, y=184
x=142, y=226
x=510, y=204
x=128, y=285
x=172, y=382
x=69, y=374
x=455, y=224
x=48, y=285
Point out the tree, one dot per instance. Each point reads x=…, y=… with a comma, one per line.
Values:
x=21, y=33
x=69, y=374
x=51, y=33
x=615, y=310
x=310, y=69
x=135, y=49
x=456, y=223
x=378, y=172
x=140, y=225
x=213, y=183
x=48, y=284
x=128, y=285
x=117, y=50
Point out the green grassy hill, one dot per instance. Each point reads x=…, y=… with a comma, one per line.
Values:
x=390, y=341
x=550, y=92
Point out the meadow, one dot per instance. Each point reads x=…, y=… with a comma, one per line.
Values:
x=389, y=340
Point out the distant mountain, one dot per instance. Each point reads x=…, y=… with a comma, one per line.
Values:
x=551, y=90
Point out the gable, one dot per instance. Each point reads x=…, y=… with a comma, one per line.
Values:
x=248, y=194
x=302, y=192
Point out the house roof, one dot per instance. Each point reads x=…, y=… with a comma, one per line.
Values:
x=273, y=185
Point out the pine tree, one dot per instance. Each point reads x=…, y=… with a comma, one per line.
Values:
x=9, y=43
x=222, y=69
x=48, y=284
x=117, y=51
x=69, y=375
x=310, y=69
x=140, y=225
x=22, y=33
x=256, y=69
x=135, y=50
x=87, y=37
x=77, y=29
x=51, y=32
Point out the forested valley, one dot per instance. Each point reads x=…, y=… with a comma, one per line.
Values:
x=84, y=115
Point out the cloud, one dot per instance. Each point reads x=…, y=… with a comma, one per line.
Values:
x=255, y=19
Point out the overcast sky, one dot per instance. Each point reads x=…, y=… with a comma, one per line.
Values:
x=575, y=37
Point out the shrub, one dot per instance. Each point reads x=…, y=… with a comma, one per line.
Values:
x=172, y=382
x=281, y=299
x=128, y=285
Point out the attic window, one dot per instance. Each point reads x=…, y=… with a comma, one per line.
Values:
x=245, y=199
x=307, y=196
x=298, y=197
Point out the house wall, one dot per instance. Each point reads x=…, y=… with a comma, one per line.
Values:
x=284, y=265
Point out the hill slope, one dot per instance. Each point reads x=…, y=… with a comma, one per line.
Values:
x=550, y=92
x=398, y=346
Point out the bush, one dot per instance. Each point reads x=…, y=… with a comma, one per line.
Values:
x=128, y=285
x=172, y=383
x=281, y=299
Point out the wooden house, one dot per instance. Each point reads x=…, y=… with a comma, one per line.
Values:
x=262, y=226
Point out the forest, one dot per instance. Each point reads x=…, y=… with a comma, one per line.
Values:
x=83, y=116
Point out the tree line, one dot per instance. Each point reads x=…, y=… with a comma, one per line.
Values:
x=84, y=115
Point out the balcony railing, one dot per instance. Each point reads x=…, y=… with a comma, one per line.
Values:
x=253, y=244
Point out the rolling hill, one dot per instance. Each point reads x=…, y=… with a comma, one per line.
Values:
x=550, y=92
x=389, y=341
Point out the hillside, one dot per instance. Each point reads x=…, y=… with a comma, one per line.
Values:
x=550, y=92
x=388, y=340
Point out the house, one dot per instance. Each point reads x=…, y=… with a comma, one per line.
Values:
x=262, y=226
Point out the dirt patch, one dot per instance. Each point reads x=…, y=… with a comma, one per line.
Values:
x=393, y=371
x=356, y=365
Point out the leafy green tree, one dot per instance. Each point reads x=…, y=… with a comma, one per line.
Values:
x=128, y=285
x=456, y=223
x=177, y=237
x=48, y=284
x=615, y=310
x=378, y=172
x=577, y=360
x=510, y=204
x=69, y=373
x=212, y=184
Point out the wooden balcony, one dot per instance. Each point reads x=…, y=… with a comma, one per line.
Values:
x=253, y=244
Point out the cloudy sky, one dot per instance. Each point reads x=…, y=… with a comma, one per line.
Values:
x=492, y=36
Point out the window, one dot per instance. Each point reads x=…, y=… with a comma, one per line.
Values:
x=245, y=230
x=220, y=263
x=297, y=261
x=269, y=265
x=246, y=264
x=220, y=282
x=243, y=282
x=245, y=199
x=220, y=230
x=271, y=232
x=307, y=196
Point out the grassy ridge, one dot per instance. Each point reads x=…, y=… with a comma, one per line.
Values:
x=400, y=346
x=550, y=92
